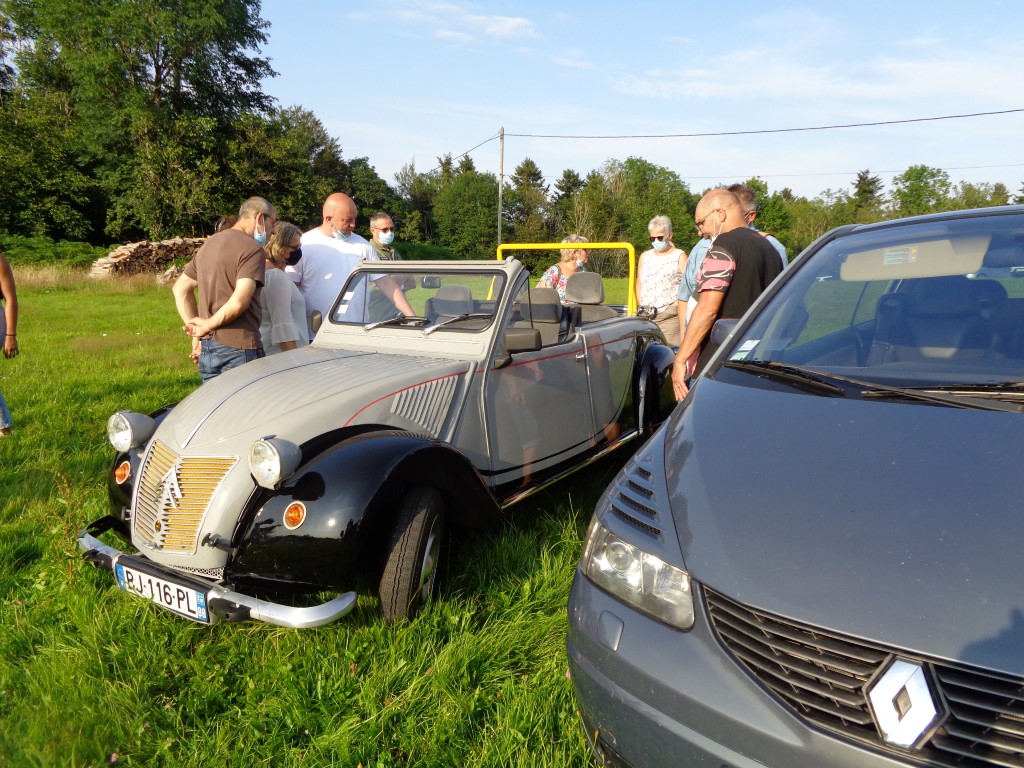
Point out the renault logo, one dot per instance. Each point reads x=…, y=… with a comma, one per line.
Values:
x=170, y=491
x=902, y=704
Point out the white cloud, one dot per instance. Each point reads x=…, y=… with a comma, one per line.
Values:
x=450, y=34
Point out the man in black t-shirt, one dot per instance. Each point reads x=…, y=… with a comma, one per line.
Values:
x=738, y=267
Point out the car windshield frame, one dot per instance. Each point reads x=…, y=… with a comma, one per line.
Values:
x=918, y=304
x=442, y=299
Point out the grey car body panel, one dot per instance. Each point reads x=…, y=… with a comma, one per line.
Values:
x=825, y=540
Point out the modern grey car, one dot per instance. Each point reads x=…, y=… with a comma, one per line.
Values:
x=819, y=559
x=342, y=465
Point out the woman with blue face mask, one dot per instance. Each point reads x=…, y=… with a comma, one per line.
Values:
x=658, y=273
x=573, y=260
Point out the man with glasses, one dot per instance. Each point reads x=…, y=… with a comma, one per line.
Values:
x=382, y=235
x=228, y=272
x=738, y=266
x=748, y=205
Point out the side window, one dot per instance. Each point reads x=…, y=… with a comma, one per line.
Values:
x=835, y=305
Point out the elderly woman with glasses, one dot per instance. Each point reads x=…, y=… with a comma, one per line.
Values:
x=657, y=278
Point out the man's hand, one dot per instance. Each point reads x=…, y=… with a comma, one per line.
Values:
x=680, y=375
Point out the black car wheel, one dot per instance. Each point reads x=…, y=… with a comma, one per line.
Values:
x=413, y=555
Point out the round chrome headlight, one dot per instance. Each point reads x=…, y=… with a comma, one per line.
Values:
x=127, y=430
x=272, y=460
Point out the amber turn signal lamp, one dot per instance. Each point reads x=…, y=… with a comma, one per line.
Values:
x=294, y=515
x=122, y=472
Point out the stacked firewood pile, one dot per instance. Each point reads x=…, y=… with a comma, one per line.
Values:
x=145, y=257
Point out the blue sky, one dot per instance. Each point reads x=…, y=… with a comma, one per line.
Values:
x=402, y=81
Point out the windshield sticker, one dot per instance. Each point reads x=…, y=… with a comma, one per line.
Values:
x=342, y=309
x=895, y=256
x=349, y=296
x=744, y=350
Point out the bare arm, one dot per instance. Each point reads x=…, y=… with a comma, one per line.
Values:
x=184, y=291
x=10, y=293
x=709, y=303
x=245, y=288
x=389, y=287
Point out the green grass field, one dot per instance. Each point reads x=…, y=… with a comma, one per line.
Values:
x=91, y=676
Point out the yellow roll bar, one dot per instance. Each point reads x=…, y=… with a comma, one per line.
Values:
x=631, y=297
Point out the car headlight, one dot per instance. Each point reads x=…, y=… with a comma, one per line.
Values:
x=638, y=578
x=272, y=460
x=127, y=430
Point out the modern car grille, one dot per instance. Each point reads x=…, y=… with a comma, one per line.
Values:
x=822, y=675
x=173, y=495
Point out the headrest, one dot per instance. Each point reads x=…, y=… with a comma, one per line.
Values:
x=545, y=305
x=452, y=300
x=990, y=295
x=938, y=296
x=584, y=288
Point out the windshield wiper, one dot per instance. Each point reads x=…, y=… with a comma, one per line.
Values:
x=455, y=319
x=944, y=396
x=804, y=377
x=396, y=320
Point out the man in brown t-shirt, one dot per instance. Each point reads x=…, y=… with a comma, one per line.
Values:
x=228, y=271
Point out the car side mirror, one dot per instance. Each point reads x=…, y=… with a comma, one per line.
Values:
x=432, y=282
x=518, y=340
x=315, y=321
x=721, y=331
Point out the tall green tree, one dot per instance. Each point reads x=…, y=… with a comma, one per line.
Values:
x=142, y=76
x=920, y=189
x=527, y=205
x=466, y=213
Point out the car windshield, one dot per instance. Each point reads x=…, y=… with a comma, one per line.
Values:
x=929, y=304
x=441, y=299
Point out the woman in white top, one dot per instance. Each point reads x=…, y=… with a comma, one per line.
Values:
x=284, y=309
x=657, y=277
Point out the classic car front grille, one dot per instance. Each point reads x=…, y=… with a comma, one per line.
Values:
x=822, y=675
x=173, y=495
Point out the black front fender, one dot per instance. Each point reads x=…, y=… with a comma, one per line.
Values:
x=654, y=384
x=351, y=491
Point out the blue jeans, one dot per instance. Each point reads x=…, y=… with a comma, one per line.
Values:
x=215, y=358
x=5, y=414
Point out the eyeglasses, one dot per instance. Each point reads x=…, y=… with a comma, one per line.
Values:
x=701, y=222
x=658, y=238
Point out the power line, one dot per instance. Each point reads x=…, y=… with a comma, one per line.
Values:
x=459, y=157
x=842, y=173
x=760, y=131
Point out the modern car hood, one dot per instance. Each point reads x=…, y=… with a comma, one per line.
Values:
x=276, y=396
x=900, y=523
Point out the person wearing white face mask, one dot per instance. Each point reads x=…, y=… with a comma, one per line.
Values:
x=329, y=254
x=658, y=273
x=382, y=235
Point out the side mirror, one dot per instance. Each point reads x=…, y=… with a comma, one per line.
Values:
x=721, y=331
x=518, y=340
x=315, y=321
x=433, y=282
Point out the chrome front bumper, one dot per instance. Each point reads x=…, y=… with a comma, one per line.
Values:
x=223, y=604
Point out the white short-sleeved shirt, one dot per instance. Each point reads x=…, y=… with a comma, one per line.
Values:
x=325, y=266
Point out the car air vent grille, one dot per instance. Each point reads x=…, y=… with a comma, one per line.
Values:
x=427, y=404
x=633, y=499
x=173, y=495
x=823, y=676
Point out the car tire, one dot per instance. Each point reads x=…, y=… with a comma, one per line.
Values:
x=413, y=555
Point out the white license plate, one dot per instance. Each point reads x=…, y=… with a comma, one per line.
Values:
x=183, y=600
